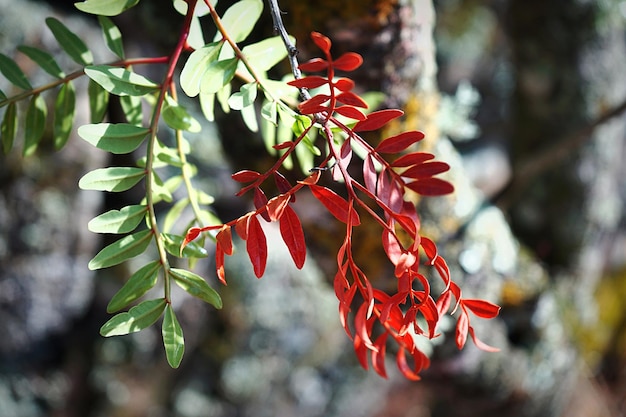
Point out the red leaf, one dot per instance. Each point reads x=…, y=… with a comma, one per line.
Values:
x=246, y=176
x=425, y=170
x=480, y=344
x=361, y=327
x=412, y=159
x=481, y=308
x=225, y=240
x=293, y=236
x=348, y=61
x=314, y=65
x=241, y=226
x=351, y=112
x=404, y=366
x=400, y=142
x=377, y=119
x=335, y=204
x=260, y=200
x=443, y=302
x=344, y=84
x=276, y=206
x=321, y=41
x=369, y=174
x=348, y=97
x=311, y=179
x=462, y=326
x=378, y=357
x=312, y=81
x=256, y=245
x=219, y=265
x=361, y=351
x=431, y=186
x=314, y=104
x=282, y=183
x=192, y=233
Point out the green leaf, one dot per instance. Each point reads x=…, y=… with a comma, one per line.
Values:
x=207, y=104
x=13, y=73
x=196, y=65
x=178, y=118
x=98, y=101
x=9, y=127
x=70, y=42
x=196, y=286
x=173, y=339
x=121, y=250
x=35, y=124
x=105, y=7
x=269, y=112
x=43, y=59
x=64, y=110
x=137, y=318
x=112, y=36
x=124, y=220
x=112, y=179
x=240, y=18
x=244, y=97
x=159, y=191
x=217, y=75
x=120, y=138
x=265, y=54
x=249, y=118
x=2, y=96
x=120, y=81
x=174, y=214
x=133, y=109
x=191, y=250
x=137, y=285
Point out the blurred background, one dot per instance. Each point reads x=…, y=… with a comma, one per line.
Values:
x=525, y=100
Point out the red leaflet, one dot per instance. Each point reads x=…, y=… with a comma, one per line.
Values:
x=462, y=326
x=321, y=41
x=412, y=159
x=311, y=179
x=344, y=84
x=312, y=81
x=219, y=265
x=256, y=246
x=480, y=344
x=348, y=97
x=404, y=366
x=276, y=206
x=293, y=236
x=225, y=240
x=431, y=186
x=481, y=308
x=399, y=142
x=260, y=200
x=314, y=65
x=369, y=174
x=425, y=170
x=351, y=112
x=241, y=226
x=335, y=204
x=377, y=119
x=192, y=233
x=314, y=104
x=348, y=61
x=246, y=176
x=378, y=356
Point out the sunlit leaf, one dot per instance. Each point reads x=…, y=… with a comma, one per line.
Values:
x=399, y=142
x=244, y=97
x=265, y=54
x=248, y=115
x=43, y=59
x=137, y=318
x=13, y=73
x=120, y=81
x=173, y=214
x=217, y=75
x=132, y=108
x=112, y=179
x=137, y=285
x=431, y=186
x=173, y=339
x=174, y=242
x=240, y=18
x=120, y=138
x=8, y=128
x=177, y=117
x=293, y=236
x=98, y=101
x=70, y=42
x=336, y=205
x=121, y=250
x=118, y=221
x=35, y=124
x=196, y=65
x=105, y=7
x=256, y=246
x=112, y=35
x=207, y=104
x=377, y=119
x=196, y=286
x=64, y=110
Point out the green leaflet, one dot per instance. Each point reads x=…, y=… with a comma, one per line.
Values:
x=121, y=250
x=265, y=54
x=173, y=214
x=174, y=242
x=269, y=112
x=9, y=127
x=137, y=318
x=113, y=179
x=2, y=96
x=105, y=7
x=178, y=118
x=98, y=101
x=173, y=339
x=112, y=36
x=196, y=286
x=13, y=73
x=249, y=118
x=207, y=104
x=240, y=18
x=124, y=220
x=120, y=138
x=43, y=59
x=64, y=110
x=120, y=81
x=133, y=109
x=196, y=65
x=136, y=286
x=244, y=97
x=35, y=124
x=217, y=75
x=70, y=42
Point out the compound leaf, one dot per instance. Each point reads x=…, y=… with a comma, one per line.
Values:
x=9, y=127
x=70, y=42
x=105, y=7
x=137, y=285
x=35, y=124
x=112, y=36
x=43, y=59
x=113, y=179
x=120, y=81
x=117, y=138
x=196, y=286
x=124, y=220
x=173, y=339
x=64, y=110
x=137, y=318
x=13, y=73
x=121, y=250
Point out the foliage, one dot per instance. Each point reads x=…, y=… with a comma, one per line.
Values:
x=334, y=117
